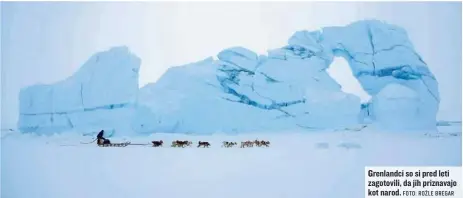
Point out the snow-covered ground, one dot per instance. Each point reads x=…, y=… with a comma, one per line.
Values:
x=296, y=165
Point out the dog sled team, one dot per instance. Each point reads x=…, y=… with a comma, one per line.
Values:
x=247, y=144
x=179, y=143
x=254, y=143
x=103, y=142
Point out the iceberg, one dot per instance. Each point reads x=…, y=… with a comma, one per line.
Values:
x=244, y=92
x=289, y=88
x=218, y=96
x=379, y=55
x=240, y=91
x=100, y=95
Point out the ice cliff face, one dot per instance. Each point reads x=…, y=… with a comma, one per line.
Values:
x=240, y=91
x=99, y=95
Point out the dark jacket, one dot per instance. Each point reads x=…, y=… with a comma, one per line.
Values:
x=101, y=139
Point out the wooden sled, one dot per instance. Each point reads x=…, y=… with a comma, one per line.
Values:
x=115, y=144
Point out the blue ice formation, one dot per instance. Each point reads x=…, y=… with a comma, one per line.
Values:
x=240, y=91
x=381, y=55
x=100, y=95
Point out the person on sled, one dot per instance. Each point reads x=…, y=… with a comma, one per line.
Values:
x=101, y=140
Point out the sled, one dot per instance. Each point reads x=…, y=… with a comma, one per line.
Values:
x=115, y=144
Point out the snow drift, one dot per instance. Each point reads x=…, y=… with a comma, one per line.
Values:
x=241, y=91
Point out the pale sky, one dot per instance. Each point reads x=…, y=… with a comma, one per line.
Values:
x=44, y=42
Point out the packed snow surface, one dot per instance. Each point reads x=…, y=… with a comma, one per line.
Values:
x=296, y=165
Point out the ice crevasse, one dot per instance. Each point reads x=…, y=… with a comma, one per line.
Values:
x=241, y=91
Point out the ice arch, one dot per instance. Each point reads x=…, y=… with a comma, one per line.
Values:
x=290, y=87
x=240, y=91
x=379, y=55
x=340, y=71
